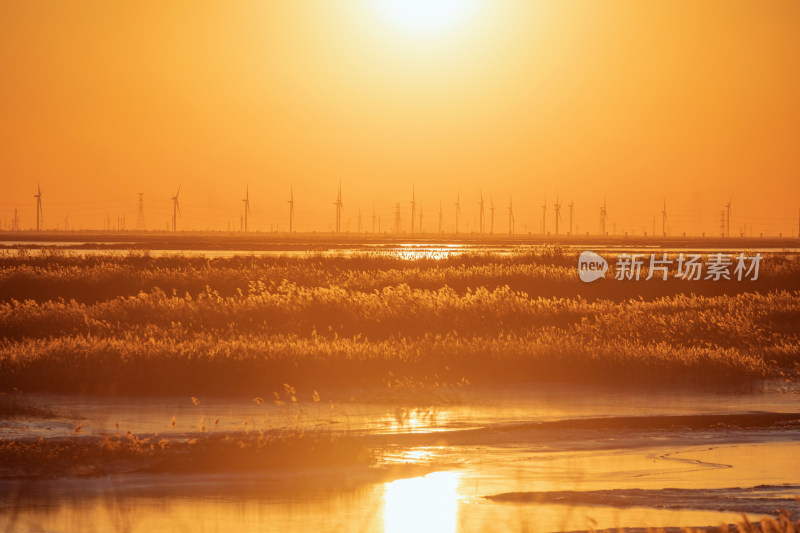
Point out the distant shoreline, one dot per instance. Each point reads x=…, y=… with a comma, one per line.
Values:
x=256, y=241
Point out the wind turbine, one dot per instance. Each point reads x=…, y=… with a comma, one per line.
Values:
x=664, y=219
x=603, y=218
x=557, y=207
x=420, y=218
x=511, y=218
x=458, y=210
x=39, y=214
x=176, y=209
x=491, y=208
x=440, y=216
x=246, y=206
x=544, y=217
x=728, y=218
x=571, y=206
x=338, y=204
x=291, y=209
x=480, y=224
x=413, y=207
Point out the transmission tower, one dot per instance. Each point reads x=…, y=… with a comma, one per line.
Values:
x=397, y=220
x=140, y=216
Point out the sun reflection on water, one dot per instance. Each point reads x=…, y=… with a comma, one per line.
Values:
x=414, y=255
x=415, y=420
x=422, y=504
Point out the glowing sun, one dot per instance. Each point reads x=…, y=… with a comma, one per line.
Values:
x=425, y=18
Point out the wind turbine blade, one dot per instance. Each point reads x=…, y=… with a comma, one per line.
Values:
x=179, y=191
x=178, y=205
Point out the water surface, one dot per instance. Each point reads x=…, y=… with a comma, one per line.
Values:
x=523, y=458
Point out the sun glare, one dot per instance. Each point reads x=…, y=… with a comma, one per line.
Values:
x=425, y=18
x=422, y=504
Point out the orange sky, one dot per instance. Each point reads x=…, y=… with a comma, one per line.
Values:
x=695, y=101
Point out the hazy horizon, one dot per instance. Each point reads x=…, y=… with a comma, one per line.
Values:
x=692, y=104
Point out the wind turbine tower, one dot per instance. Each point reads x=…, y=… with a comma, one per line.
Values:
x=291, y=209
x=480, y=223
x=544, y=217
x=557, y=207
x=246, y=206
x=664, y=219
x=458, y=210
x=728, y=219
x=413, y=207
x=603, y=218
x=510, y=216
x=338, y=204
x=140, y=216
x=420, y=218
x=39, y=214
x=176, y=209
x=491, y=208
x=571, y=206
x=373, y=217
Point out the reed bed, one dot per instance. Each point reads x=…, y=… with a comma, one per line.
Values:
x=84, y=456
x=548, y=273
x=340, y=322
